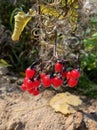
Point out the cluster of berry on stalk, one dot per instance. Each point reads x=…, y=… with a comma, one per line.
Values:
x=57, y=77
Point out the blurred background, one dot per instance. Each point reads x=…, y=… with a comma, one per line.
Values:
x=17, y=56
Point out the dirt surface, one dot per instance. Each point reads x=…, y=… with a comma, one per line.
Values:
x=21, y=111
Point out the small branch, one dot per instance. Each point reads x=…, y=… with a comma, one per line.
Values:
x=55, y=43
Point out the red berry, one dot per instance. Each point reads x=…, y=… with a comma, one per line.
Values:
x=30, y=72
x=25, y=80
x=58, y=67
x=57, y=82
x=46, y=81
x=75, y=73
x=36, y=92
x=68, y=76
x=64, y=74
x=30, y=91
x=72, y=82
x=42, y=75
x=36, y=83
x=29, y=84
x=23, y=87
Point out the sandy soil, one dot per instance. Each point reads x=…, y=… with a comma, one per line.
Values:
x=21, y=111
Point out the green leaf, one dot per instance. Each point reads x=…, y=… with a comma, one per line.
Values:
x=91, y=41
x=94, y=20
x=3, y=63
x=94, y=35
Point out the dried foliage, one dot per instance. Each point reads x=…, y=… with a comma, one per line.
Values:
x=64, y=103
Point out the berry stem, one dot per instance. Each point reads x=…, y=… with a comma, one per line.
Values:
x=35, y=63
x=55, y=43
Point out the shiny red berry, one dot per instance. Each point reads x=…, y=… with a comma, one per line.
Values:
x=29, y=84
x=72, y=82
x=36, y=92
x=57, y=82
x=42, y=75
x=30, y=91
x=75, y=73
x=58, y=67
x=36, y=83
x=46, y=80
x=30, y=73
x=68, y=76
x=64, y=74
x=25, y=80
x=23, y=87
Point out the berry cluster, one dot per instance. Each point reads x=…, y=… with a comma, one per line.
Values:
x=34, y=80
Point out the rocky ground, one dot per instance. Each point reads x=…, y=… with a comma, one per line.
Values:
x=21, y=111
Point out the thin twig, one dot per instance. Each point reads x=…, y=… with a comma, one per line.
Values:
x=55, y=43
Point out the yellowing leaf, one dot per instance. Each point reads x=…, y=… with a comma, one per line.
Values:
x=47, y=10
x=3, y=63
x=65, y=103
x=72, y=6
x=67, y=2
x=21, y=20
x=73, y=15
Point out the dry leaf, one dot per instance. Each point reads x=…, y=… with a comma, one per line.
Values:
x=21, y=20
x=47, y=10
x=65, y=103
